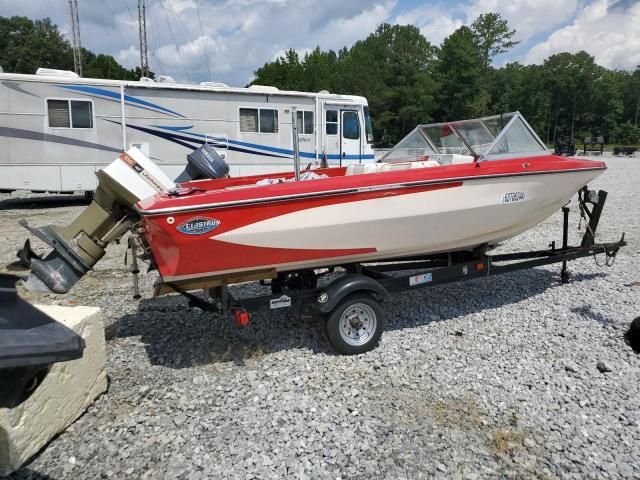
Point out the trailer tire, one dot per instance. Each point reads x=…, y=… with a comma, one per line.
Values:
x=356, y=324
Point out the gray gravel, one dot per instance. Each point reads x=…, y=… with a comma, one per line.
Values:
x=508, y=377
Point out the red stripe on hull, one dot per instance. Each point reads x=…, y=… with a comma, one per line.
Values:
x=177, y=254
x=243, y=257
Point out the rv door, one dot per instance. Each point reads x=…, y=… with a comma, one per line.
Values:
x=350, y=135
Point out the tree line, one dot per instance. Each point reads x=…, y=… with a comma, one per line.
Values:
x=408, y=81
x=26, y=45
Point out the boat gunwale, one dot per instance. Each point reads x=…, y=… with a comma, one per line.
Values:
x=352, y=190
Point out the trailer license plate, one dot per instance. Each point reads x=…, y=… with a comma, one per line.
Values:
x=419, y=279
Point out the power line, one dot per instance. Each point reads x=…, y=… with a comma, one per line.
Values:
x=185, y=30
x=207, y=58
x=173, y=37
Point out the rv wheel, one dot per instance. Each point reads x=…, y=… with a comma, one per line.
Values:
x=356, y=324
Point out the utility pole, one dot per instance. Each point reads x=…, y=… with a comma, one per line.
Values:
x=75, y=30
x=142, y=27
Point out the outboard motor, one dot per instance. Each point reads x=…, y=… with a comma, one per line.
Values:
x=127, y=180
x=30, y=342
x=79, y=246
x=204, y=162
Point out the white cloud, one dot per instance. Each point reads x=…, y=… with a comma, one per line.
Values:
x=238, y=38
x=527, y=17
x=611, y=35
x=435, y=22
x=129, y=57
x=346, y=30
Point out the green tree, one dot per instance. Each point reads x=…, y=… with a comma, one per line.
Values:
x=26, y=45
x=460, y=66
x=492, y=36
x=286, y=72
x=571, y=79
x=393, y=67
x=105, y=66
x=522, y=88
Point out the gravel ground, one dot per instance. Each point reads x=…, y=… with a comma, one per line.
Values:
x=492, y=378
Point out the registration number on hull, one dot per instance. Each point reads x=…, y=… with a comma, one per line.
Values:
x=513, y=197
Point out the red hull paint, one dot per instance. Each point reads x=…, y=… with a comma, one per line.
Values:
x=234, y=206
x=178, y=254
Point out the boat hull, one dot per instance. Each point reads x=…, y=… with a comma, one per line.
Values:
x=369, y=224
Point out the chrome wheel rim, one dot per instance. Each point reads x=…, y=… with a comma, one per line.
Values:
x=357, y=324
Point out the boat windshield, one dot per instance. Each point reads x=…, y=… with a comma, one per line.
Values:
x=488, y=138
x=412, y=147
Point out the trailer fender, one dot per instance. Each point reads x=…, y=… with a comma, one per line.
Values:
x=333, y=293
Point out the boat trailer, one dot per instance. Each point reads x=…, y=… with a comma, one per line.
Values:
x=350, y=303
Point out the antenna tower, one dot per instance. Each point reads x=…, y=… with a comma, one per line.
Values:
x=142, y=26
x=75, y=30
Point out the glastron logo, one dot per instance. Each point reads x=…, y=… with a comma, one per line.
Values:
x=283, y=301
x=198, y=225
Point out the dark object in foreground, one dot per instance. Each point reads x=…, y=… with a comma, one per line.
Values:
x=30, y=342
x=628, y=151
x=633, y=335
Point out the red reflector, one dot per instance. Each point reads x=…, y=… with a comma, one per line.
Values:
x=479, y=266
x=241, y=317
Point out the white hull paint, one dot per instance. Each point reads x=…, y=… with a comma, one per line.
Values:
x=420, y=223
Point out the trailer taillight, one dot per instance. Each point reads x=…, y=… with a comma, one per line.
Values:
x=241, y=317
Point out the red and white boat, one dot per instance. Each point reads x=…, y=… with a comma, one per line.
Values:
x=445, y=187
x=424, y=199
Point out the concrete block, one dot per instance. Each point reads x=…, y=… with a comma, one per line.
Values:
x=66, y=392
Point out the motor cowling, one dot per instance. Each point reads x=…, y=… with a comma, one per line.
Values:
x=204, y=163
x=77, y=247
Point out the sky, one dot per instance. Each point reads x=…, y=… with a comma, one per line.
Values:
x=226, y=40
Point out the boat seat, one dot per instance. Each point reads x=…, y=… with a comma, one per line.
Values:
x=453, y=158
x=360, y=168
x=390, y=167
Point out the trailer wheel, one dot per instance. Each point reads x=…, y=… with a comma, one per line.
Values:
x=355, y=325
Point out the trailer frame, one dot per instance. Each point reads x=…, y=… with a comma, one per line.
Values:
x=367, y=284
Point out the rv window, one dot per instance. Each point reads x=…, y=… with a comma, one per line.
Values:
x=59, y=113
x=81, y=114
x=268, y=121
x=332, y=122
x=305, y=122
x=70, y=113
x=248, y=119
x=350, y=127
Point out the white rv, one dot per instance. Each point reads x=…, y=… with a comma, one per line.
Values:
x=57, y=129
